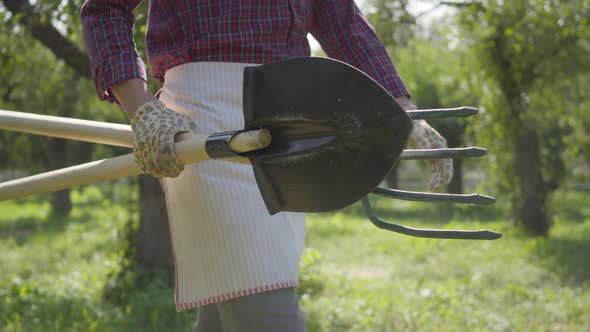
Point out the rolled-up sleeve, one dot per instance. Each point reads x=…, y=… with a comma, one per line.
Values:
x=108, y=34
x=345, y=35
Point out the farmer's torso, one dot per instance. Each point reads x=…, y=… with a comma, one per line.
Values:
x=226, y=31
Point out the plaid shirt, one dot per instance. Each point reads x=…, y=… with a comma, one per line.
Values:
x=258, y=31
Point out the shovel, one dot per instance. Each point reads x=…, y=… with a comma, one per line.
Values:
x=318, y=141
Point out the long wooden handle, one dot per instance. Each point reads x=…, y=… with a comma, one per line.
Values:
x=55, y=126
x=190, y=148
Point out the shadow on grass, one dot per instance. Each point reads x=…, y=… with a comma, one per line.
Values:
x=26, y=226
x=30, y=224
x=566, y=250
x=21, y=218
x=567, y=256
x=21, y=227
x=572, y=206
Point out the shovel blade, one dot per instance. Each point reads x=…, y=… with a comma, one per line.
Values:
x=335, y=133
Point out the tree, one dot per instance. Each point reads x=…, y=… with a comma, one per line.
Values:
x=394, y=25
x=392, y=21
x=21, y=65
x=56, y=26
x=432, y=66
x=434, y=70
x=528, y=52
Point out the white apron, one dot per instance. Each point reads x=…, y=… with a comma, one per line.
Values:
x=224, y=241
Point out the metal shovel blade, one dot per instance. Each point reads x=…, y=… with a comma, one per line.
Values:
x=335, y=133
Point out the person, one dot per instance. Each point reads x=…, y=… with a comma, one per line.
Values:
x=233, y=261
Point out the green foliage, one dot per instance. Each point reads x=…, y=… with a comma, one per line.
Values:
x=356, y=277
x=531, y=57
x=437, y=73
x=310, y=273
x=380, y=281
x=34, y=81
x=392, y=21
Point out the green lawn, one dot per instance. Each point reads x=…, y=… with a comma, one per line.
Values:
x=355, y=277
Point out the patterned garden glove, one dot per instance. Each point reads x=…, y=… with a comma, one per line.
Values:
x=155, y=127
x=425, y=137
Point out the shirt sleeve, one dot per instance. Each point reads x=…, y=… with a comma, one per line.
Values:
x=345, y=35
x=108, y=33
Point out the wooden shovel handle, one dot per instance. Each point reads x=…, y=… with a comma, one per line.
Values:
x=55, y=126
x=190, y=148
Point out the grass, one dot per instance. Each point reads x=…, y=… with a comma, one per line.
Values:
x=354, y=277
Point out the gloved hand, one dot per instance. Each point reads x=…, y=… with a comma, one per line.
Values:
x=154, y=127
x=423, y=136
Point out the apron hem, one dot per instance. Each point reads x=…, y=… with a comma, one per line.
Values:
x=235, y=294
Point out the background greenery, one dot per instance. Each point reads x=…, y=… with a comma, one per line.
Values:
x=84, y=260
x=59, y=274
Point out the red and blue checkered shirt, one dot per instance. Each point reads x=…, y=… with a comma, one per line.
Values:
x=256, y=31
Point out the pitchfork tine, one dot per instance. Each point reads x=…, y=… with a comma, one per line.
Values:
x=470, y=152
x=428, y=233
x=457, y=112
x=434, y=197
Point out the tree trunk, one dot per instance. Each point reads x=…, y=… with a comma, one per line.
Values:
x=152, y=240
x=61, y=204
x=456, y=185
x=529, y=210
x=153, y=246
